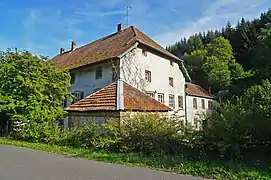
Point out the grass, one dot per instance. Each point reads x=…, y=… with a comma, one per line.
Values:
x=177, y=164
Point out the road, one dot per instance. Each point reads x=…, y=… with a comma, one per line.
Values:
x=26, y=164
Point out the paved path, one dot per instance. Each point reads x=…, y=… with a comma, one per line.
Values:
x=26, y=164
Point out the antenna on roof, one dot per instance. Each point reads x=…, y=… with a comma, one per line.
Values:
x=127, y=14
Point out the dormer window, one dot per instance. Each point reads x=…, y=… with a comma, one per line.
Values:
x=99, y=73
x=144, y=52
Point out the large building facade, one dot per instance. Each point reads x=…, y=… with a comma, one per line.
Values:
x=131, y=56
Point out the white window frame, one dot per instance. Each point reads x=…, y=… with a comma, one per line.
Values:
x=171, y=101
x=161, y=98
x=79, y=95
x=195, y=103
x=203, y=106
x=151, y=94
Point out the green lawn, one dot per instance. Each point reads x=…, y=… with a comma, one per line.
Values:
x=177, y=164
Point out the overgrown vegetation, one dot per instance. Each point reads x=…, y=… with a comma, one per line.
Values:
x=216, y=58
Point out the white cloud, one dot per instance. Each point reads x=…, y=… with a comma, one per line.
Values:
x=214, y=16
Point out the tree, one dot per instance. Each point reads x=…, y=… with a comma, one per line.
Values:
x=31, y=89
x=194, y=65
x=218, y=73
x=221, y=49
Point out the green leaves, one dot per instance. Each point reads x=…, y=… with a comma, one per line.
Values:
x=31, y=89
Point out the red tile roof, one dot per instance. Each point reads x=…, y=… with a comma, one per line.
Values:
x=108, y=47
x=106, y=99
x=195, y=90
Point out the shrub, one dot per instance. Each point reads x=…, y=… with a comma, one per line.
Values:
x=149, y=133
x=90, y=136
x=243, y=127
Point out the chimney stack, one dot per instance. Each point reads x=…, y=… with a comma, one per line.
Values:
x=120, y=27
x=73, y=45
x=62, y=50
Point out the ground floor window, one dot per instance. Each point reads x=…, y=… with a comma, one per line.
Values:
x=77, y=96
x=161, y=98
x=151, y=94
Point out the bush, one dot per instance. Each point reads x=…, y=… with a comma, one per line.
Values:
x=147, y=133
x=243, y=127
x=90, y=136
x=37, y=132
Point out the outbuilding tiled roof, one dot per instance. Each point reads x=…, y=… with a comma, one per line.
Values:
x=105, y=48
x=195, y=90
x=106, y=99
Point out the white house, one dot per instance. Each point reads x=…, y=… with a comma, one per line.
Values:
x=132, y=57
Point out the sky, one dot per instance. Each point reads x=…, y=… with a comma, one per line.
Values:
x=44, y=26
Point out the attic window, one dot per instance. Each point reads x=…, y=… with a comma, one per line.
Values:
x=144, y=52
x=99, y=73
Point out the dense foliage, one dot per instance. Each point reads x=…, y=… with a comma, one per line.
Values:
x=247, y=45
x=31, y=92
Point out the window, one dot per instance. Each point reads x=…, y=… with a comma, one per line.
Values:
x=171, y=63
x=161, y=98
x=72, y=78
x=171, y=101
x=96, y=89
x=77, y=96
x=151, y=94
x=99, y=73
x=180, y=102
x=64, y=103
x=209, y=104
x=144, y=52
x=171, y=81
x=203, y=104
x=148, y=75
x=195, y=103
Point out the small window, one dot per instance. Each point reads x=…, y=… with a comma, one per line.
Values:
x=148, y=75
x=151, y=94
x=72, y=78
x=144, y=52
x=99, y=73
x=171, y=101
x=171, y=81
x=195, y=103
x=64, y=103
x=96, y=89
x=203, y=104
x=180, y=102
x=77, y=96
x=171, y=63
x=209, y=104
x=161, y=98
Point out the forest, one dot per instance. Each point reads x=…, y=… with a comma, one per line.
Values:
x=230, y=59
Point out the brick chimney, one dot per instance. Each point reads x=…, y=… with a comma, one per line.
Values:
x=62, y=50
x=73, y=45
x=120, y=27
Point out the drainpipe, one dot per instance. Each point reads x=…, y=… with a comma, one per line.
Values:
x=185, y=105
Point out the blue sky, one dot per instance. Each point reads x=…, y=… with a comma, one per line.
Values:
x=44, y=26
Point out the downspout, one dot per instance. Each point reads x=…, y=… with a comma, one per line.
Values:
x=185, y=105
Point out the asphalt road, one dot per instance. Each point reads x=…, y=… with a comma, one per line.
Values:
x=26, y=164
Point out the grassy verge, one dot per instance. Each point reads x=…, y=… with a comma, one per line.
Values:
x=177, y=164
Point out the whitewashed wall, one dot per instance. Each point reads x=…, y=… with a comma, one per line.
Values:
x=196, y=115
x=85, y=79
x=132, y=70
